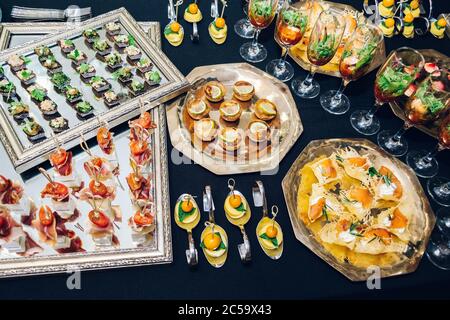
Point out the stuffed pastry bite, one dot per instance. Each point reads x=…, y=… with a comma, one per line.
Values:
x=265, y=109
x=206, y=129
x=197, y=108
x=243, y=90
x=230, y=110
x=258, y=131
x=214, y=91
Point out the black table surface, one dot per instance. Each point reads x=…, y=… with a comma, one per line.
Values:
x=299, y=274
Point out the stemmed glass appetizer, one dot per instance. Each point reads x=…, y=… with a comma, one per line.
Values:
x=323, y=44
x=261, y=13
x=187, y=217
x=424, y=163
x=290, y=27
x=438, y=251
x=214, y=239
x=238, y=213
x=193, y=15
x=268, y=231
x=439, y=187
x=243, y=27
x=173, y=31
x=400, y=69
x=356, y=58
x=428, y=102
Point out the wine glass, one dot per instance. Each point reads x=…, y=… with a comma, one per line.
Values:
x=323, y=43
x=291, y=26
x=261, y=14
x=438, y=251
x=400, y=69
x=424, y=163
x=356, y=58
x=243, y=27
x=426, y=105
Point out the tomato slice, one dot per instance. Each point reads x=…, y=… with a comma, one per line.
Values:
x=98, y=218
x=56, y=190
x=59, y=157
x=145, y=121
x=138, y=147
x=143, y=219
x=98, y=188
x=46, y=216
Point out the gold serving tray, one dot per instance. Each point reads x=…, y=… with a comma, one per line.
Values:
x=25, y=155
x=298, y=52
x=432, y=129
x=288, y=121
x=422, y=227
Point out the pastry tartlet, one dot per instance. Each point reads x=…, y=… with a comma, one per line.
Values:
x=265, y=109
x=258, y=131
x=243, y=90
x=230, y=110
x=197, y=109
x=218, y=30
x=230, y=139
x=206, y=129
x=214, y=91
x=192, y=13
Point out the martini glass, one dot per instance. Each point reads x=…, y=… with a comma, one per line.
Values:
x=323, y=43
x=243, y=27
x=261, y=14
x=291, y=26
x=400, y=69
x=356, y=58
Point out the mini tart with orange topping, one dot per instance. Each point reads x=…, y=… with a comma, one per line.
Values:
x=258, y=131
x=192, y=13
x=174, y=33
x=230, y=139
x=230, y=110
x=206, y=129
x=243, y=90
x=218, y=30
x=214, y=91
x=197, y=108
x=265, y=109
x=437, y=28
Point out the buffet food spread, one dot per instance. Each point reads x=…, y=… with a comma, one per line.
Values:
x=84, y=110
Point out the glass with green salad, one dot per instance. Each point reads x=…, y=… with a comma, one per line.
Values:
x=324, y=41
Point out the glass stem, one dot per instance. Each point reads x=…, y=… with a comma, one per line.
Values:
x=338, y=96
x=309, y=78
x=255, y=38
x=372, y=111
x=430, y=155
x=399, y=134
x=445, y=188
x=282, y=60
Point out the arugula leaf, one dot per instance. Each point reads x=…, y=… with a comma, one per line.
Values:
x=38, y=94
x=241, y=207
x=131, y=40
x=261, y=8
x=433, y=104
x=394, y=82
x=365, y=55
x=373, y=172
x=273, y=240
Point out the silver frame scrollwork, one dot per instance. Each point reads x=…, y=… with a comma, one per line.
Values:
x=24, y=159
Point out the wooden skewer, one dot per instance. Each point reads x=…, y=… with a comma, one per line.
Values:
x=46, y=175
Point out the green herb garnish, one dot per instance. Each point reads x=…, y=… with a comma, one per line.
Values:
x=220, y=247
x=38, y=94
x=183, y=215
x=84, y=107
x=154, y=76
x=261, y=8
x=325, y=48
x=394, y=82
x=273, y=240
x=434, y=105
x=295, y=19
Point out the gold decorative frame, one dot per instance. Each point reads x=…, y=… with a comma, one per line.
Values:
x=291, y=183
x=24, y=159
